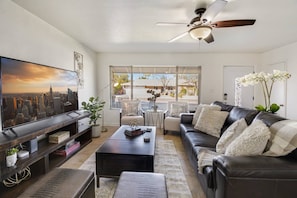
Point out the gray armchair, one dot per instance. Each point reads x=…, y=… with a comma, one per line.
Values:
x=172, y=116
x=131, y=113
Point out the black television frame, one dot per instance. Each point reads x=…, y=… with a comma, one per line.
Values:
x=52, y=96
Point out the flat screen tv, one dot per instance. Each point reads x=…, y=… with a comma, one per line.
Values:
x=30, y=92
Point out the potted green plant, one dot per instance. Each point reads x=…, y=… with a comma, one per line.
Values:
x=11, y=156
x=94, y=106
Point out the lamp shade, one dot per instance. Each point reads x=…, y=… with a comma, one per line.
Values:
x=200, y=32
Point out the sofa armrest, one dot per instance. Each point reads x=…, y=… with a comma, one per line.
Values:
x=186, y=118
x=268, y=176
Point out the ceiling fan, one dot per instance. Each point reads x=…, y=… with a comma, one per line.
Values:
x=200, y=27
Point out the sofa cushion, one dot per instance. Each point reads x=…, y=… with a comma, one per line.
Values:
x=237, y=113
x=230, y=134
x=251, y=142
x=269, y=118
x=283, y=138
x=211, y=121
x=224, y=107
x=199, y=109
x=201, y=139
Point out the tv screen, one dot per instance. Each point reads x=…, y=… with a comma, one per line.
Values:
x=30, y=92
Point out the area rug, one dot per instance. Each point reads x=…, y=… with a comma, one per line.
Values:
x=166, y=162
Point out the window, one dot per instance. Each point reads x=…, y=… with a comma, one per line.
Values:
x=174, y=83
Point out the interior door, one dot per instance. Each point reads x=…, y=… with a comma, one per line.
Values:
x=279, y=94
x=246, y=94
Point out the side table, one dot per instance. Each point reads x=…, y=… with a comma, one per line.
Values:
x=154, y=118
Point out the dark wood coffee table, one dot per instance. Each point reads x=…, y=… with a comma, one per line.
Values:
x=122, y=153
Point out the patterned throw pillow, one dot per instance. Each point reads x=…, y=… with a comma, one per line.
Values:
x=283, y=138
x=130, y=108
x=177, y=108
x=211, y=121
x=251, y=142
x=232, y=132
x=199, y=109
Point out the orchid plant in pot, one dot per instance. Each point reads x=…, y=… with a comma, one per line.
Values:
x=94, y=106
x=266, y=80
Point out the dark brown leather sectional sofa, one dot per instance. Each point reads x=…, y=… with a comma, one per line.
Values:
x=244, y=176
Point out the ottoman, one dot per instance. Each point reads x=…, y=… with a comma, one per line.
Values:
x=63, y=183
x=142, y=185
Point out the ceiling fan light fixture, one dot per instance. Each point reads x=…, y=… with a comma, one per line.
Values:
x=200, y=32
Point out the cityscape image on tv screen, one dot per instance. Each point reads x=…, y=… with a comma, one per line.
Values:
x=31, y=92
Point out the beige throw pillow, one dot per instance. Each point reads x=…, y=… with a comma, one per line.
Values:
x=232, y=132
x=283, y=138
x=251, y=142
x=211, y=121
x=177, y=109
x=199, y=109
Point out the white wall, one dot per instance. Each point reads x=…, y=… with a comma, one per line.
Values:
x=212, y=71
x=286, y=54
x=24, y=36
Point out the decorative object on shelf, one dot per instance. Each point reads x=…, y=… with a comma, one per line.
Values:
x=266, y=80
x=11, y=157
x=17, y=178
x=153, y=98
x=94, y=106
x=58, y=137
x=79, y=68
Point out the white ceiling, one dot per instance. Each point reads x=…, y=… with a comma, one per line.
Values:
x=130, y=25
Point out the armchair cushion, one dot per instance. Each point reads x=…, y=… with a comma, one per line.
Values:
x=177, y=108
x=130, y=107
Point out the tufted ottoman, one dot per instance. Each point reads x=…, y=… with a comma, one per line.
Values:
x=63, y=183
x=142, y=185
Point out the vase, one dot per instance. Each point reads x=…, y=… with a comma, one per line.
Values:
x=155, y=107
x=11, y=160
x=96, y=131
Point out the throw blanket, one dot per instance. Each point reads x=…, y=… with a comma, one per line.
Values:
x=205, y=158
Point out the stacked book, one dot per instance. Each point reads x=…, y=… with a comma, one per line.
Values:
x=70, y=147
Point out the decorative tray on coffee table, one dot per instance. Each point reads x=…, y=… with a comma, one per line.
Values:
x=133, y=132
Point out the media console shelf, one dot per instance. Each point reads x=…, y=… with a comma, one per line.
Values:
x=44, y=159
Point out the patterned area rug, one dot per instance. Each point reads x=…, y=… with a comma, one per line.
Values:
x=166, y=162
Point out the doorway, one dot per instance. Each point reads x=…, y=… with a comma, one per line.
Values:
x=246, y=94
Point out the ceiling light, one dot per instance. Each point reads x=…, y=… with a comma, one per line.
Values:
x=200, y=32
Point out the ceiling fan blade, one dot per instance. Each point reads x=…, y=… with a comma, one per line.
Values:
x=169, y=24
x=209, y=38
x=213, y=10
x=178, y=37
x=232, y=23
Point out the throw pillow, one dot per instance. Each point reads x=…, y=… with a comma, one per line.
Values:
x=211, y=121
x=199, y=109
x=177, y=108
x=232, y=132
x=130, y=108
x=283, y=138
x=251, y=142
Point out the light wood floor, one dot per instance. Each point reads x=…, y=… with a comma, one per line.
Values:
x=77, y=160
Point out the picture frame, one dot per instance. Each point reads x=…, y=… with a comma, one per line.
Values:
x=79, y=68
